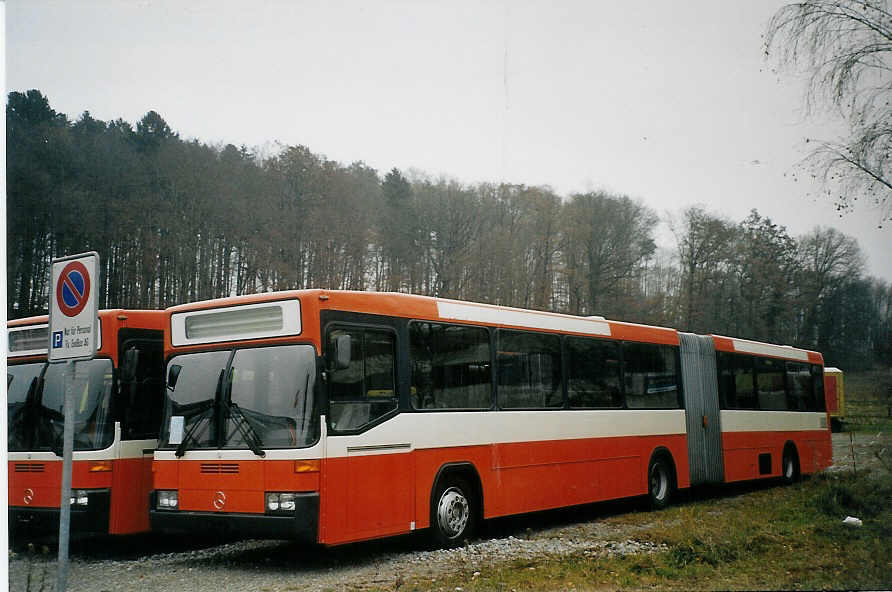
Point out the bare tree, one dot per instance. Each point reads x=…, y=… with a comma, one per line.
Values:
x=827, y=258
x=705, y=244
x=766, y=266
x=607, y=240
x=845, y=47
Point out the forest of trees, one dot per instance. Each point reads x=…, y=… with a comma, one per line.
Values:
x=177, y=221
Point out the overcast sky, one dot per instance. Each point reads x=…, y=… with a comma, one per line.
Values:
x=669, y=102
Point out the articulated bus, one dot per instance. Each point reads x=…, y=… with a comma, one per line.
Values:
x=333, y=417
x=117, y=402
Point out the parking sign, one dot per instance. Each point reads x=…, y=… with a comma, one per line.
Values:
x=73, y=308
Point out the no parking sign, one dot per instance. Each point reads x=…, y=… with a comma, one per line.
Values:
x=73, y=308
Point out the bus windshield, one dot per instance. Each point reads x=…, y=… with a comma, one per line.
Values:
x=36, y=422
x=20, y=382
x=247, y=399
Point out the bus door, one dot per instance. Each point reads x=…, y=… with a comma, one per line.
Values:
x=369, y=472
x=138, y=409
x=701, y=401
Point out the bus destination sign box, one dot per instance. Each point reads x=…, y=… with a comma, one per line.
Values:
x=74, y=308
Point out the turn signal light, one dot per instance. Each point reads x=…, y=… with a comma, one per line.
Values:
x=306, y=466
x=100, y=467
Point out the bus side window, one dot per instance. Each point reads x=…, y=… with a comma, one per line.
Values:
x=594, y=373
x=364, y=390
x=451, y=366
x=817, y=374
x=799, y=388
x=736, y=385
x=529, y=370
x=770, y=384
x=651, y=376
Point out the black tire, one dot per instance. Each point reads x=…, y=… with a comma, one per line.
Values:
x=453, y=512
x=660, y=482
x=835, y=425
x=790, y=465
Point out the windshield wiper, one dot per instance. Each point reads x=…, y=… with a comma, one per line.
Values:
x=58, y=446
x=54, y=418
x=198, y=417
x=249, y=434
x=199, y=412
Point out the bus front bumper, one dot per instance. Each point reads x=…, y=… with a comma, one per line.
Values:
x=26, y=521
x=301, y=526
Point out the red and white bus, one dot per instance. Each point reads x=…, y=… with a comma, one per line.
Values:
x=118, y=402
x=333, y=417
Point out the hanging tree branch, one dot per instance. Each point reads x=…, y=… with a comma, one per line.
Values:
x=845, y=49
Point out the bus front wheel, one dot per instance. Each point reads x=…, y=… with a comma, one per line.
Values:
x=453, y=518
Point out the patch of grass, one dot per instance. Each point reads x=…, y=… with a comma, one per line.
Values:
x=784, y=538
x=868, y=497
x=869, y=401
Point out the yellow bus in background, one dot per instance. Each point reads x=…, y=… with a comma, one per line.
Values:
x=834, y=391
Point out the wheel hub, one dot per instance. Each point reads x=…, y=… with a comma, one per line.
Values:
x=659, y=482
x=453, y=512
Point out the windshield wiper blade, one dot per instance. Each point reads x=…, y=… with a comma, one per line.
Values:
x=57, y=446
x=198, y=420
x=193, y=409
x=55, y=418
x=246, y=430
x=199, y=412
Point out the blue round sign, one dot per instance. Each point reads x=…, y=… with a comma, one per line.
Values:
x=73, y=289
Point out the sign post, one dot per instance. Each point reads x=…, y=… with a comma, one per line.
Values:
x=72, y=331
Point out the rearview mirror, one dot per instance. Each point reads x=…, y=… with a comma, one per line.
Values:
x=172, y=375
x=342, y=351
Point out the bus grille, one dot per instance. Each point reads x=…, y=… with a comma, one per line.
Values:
x=28, y=467
x=219, y=468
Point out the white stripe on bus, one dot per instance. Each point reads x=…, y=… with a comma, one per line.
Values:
x=740, y=420
x=517, y=318
x=414, y=431
x=766, y=349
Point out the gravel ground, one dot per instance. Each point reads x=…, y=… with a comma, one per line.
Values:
x=859, y=451
x=254, y=565
x=130, y=563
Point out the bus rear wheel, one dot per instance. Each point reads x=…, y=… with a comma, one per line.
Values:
x=790, y=466
x=660, y=483
x=453, y=515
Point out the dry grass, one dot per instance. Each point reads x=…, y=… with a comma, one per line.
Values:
x=786, y=538
x=869, y=401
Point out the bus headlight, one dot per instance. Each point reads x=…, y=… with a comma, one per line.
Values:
x=281, y=502
x=80, y=497
x=167, y=499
